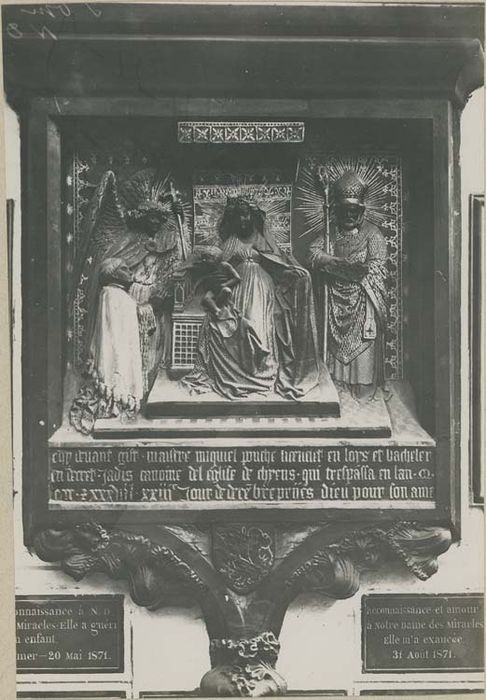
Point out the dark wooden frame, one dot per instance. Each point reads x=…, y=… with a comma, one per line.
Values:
x=42, y=291
x=476, y=346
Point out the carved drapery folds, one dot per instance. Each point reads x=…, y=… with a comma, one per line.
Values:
x=245, y=592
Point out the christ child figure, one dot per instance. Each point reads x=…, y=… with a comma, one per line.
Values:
x=215, y=277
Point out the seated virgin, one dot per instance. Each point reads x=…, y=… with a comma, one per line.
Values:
x=261, y=337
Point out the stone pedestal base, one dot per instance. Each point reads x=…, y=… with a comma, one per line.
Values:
x=169, y=398
x=208, y=415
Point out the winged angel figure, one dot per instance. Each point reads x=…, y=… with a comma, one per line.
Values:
x=134, y=241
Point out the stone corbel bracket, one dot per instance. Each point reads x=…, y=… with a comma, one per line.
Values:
x=243, y=629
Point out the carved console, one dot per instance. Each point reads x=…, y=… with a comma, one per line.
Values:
x=243, y=628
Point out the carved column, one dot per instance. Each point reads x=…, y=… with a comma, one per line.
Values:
x=242, y=592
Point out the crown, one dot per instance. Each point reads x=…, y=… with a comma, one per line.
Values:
x=237, y=201
x=350, y=186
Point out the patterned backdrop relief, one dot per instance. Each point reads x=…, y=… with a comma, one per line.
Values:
x=271, y=190
x=383, y=174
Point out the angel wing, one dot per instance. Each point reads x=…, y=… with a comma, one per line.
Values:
x=103, y=223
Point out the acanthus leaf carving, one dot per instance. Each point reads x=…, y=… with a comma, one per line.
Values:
x=335, y=569
x=243, y=554
x=418, y=546
x=150, y=568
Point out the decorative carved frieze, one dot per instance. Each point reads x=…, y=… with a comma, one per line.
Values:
x=240, y=132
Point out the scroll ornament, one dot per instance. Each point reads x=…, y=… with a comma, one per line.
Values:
x=335, y=570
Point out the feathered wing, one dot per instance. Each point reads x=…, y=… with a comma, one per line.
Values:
x=104, y=223
x=168, y=266
x=107, y=223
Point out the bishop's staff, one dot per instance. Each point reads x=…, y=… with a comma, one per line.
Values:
x=322, y=179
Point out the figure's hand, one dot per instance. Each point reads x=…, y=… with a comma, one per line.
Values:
x=326, y=259
x=294, y=272
x=298, y=271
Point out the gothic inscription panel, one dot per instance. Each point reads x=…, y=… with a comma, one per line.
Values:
x=69, y=634
x=371, y=476
x=423, y=633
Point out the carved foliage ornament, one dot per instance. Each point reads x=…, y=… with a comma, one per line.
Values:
x=244, y=667
x=336, y=568
x=152, y=570
x=243, y=554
